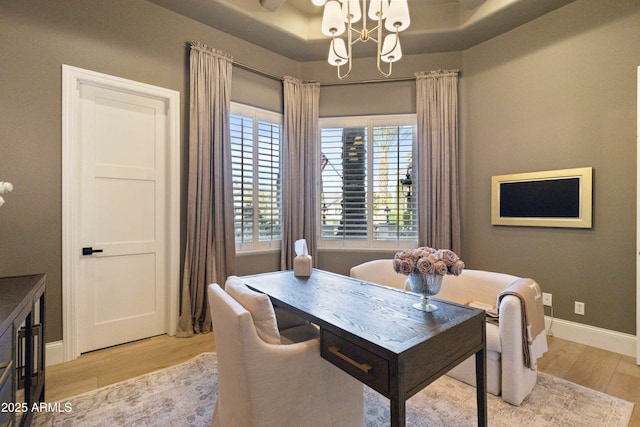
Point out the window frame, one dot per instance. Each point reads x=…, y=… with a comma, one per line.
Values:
x=368, y=122
x=259, y=114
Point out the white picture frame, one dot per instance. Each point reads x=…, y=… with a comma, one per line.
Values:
x=556, y=198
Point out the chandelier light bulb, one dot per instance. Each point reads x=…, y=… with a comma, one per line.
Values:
x=332, y=19
x=374, y=9
x=397, y=16
x=319, y=2
x=391, y=51
x=338, y=52
x=353, y=7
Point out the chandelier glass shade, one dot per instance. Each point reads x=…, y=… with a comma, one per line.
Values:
x=339, y=18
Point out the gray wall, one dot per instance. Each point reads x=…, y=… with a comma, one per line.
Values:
x=555, y=93
x=132, y=39
x=558, y=93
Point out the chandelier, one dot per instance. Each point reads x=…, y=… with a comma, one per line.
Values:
x=339, y=17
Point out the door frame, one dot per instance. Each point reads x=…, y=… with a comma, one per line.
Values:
x=72, y=78
x=638, y=225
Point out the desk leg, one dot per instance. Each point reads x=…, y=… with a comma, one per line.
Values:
x=481, y=386
x=398, y=413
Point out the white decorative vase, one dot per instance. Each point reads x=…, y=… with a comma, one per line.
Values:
x=427, y=285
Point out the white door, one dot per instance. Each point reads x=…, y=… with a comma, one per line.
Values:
x=124, y=216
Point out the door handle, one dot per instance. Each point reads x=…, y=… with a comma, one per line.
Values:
x=90, y=251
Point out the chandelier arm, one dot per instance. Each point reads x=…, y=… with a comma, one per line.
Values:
x=359, y=33
x=349, y=44
x=379, y=48
x=342, y=77
x=373, y=30
x=382, y=72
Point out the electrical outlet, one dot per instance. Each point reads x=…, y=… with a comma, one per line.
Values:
x=579, y=308
x=546, y=299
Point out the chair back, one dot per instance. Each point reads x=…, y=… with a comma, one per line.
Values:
x=379, y=271
x=233, y=329
x=475, y=285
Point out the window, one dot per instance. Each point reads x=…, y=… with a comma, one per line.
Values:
x=367, y=196
x=255, y=151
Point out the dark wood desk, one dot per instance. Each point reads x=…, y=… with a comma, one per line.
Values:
x=373, y=333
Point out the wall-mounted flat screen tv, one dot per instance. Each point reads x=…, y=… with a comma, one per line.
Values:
x=559, y=198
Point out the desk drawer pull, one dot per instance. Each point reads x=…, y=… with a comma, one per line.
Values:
x=362, y=366
x=7, y=366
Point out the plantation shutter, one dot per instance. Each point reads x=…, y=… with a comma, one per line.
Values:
x=394, y=204
x=269, y=183
x=242, y=151
x=343, y=201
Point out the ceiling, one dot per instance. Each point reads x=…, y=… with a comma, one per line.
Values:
x=292, y=27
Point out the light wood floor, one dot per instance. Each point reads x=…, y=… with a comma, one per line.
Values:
x=103, y=367
x=601, y=370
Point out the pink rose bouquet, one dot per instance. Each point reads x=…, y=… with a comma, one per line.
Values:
x=427, y=260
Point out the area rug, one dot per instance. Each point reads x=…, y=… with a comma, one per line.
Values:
x=185, y=394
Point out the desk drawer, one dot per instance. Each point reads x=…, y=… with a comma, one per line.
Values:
x=369, y=368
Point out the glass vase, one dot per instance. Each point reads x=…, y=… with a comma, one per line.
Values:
x=426, y=285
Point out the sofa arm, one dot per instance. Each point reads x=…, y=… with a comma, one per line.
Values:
x=517, y=379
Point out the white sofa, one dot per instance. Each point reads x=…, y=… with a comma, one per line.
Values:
x=507, y=374
x=379, y=271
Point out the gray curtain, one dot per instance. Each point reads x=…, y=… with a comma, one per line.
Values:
x=210, y=247
x=300, y=167
x=437, y=159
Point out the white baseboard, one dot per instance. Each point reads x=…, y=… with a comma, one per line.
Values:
x=604, y=339
x=54, y=353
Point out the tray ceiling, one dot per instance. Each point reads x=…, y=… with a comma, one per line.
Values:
x=292, y=27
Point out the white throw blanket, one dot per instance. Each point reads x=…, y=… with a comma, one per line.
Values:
x=534, y=338
x=534, y=343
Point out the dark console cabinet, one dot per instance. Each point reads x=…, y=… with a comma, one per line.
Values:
x=22, y=347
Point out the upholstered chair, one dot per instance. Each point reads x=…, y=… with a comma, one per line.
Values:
x=380, y=271
x=262, y=382
x=507, y=374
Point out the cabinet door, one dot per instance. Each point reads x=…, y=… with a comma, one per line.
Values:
x=38, y=349
x=22, y=362
x=7, y=375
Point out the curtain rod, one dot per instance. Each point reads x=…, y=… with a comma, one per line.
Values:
x=343, y=83
x=256, y=71
x=366, y=82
